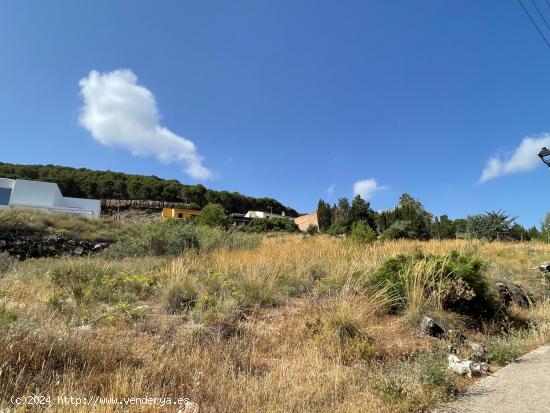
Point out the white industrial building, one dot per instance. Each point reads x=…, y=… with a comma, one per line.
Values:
x=44, y=196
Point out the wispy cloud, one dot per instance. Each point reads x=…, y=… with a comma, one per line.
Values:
x=367, y=188
x=523, y=159
x=120, y=113
x=330, y=190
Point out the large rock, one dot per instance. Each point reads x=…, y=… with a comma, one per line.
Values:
x=513, y=293
x=467, y=367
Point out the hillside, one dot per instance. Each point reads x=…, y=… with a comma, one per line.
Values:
x=86, y=183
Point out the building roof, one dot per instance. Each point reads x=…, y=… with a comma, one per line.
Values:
x=44, y=195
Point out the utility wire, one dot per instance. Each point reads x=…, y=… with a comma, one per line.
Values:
x=534, y=23
x=540, y=14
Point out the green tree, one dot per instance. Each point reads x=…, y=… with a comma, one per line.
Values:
x=360, y=210
x=492, y=225
x=361, y=232
x=214, y=215
x=545, y=228
x=324, y=215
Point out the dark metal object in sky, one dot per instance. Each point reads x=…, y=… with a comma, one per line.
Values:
x=544, y=154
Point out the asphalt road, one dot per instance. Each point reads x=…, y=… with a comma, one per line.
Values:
x=523, y=386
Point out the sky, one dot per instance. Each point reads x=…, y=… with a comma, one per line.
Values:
x=296, y=100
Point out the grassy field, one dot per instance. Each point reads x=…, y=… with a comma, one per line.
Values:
x=286, y=324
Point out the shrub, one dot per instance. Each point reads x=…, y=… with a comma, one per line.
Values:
x=216, y=238
x=455, y=280
x=7, y=263
x=89, y=282
x=6, y=316
x=213, y=215
x=362, y=233
x=260, y=225
x=338, y=332
x=166, y=237
x=181, y=295
x=312, y=229
x=505, y=349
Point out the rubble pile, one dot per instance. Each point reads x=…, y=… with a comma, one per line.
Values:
x=40, y=245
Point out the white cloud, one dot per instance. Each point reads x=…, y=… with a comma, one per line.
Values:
x=330, y=190
x=367, y=188
x=523, y=159
x=119, y=113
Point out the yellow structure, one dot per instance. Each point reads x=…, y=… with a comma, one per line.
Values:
x=179, y=213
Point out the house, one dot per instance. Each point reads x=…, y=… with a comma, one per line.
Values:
x=239, y=220
x=261, y=214
x=305, y=221
x=44, y=196
x=179, y=213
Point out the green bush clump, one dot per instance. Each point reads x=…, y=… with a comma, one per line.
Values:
x=362, y=233
x=456, y=279
x=505, y=349
x=211, y=238
x=271, y=225
x=166, y=237
x=6, y=316
x=89, y=283
x=213, y=215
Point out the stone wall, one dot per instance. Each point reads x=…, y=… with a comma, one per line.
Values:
x=40, y=245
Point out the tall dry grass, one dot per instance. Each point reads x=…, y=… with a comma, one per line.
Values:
x=291, y=325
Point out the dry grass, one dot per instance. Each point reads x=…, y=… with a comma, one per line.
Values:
x=293, y=325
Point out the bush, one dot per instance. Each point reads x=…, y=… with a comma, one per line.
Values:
x=362, y=233
x=213, y=215
x=7, y=263
x=6, y=316
x=89, y=283
x=504, y=350
x=456, y=280
x=180, y=296
x=216, y=238
x=260, y=225
x=166, y=237
x=312, y=229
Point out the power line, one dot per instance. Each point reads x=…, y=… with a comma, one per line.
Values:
x=534, y=24
x=540, y=14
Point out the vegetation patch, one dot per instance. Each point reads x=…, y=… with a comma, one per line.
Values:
x=454, y=282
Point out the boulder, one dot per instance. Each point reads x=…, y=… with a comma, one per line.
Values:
x=467, y=367
x=513, y=293
x=431, y=328
x=544, y=267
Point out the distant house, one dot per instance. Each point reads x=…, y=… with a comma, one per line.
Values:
x=44, y=196
x=261, y=214
x=239, y=220
x=305, y=221
x=178, y=213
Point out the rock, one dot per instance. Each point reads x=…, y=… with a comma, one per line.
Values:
x=429, y=327
x=2, y=243
x=513, y=293
x=467, y=367
x=479, y=369
x=78, y=251
x=544, y=267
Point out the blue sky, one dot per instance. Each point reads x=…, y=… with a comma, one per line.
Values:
x=289, y=98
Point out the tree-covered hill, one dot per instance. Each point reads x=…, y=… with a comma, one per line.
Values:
x=85, y=183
